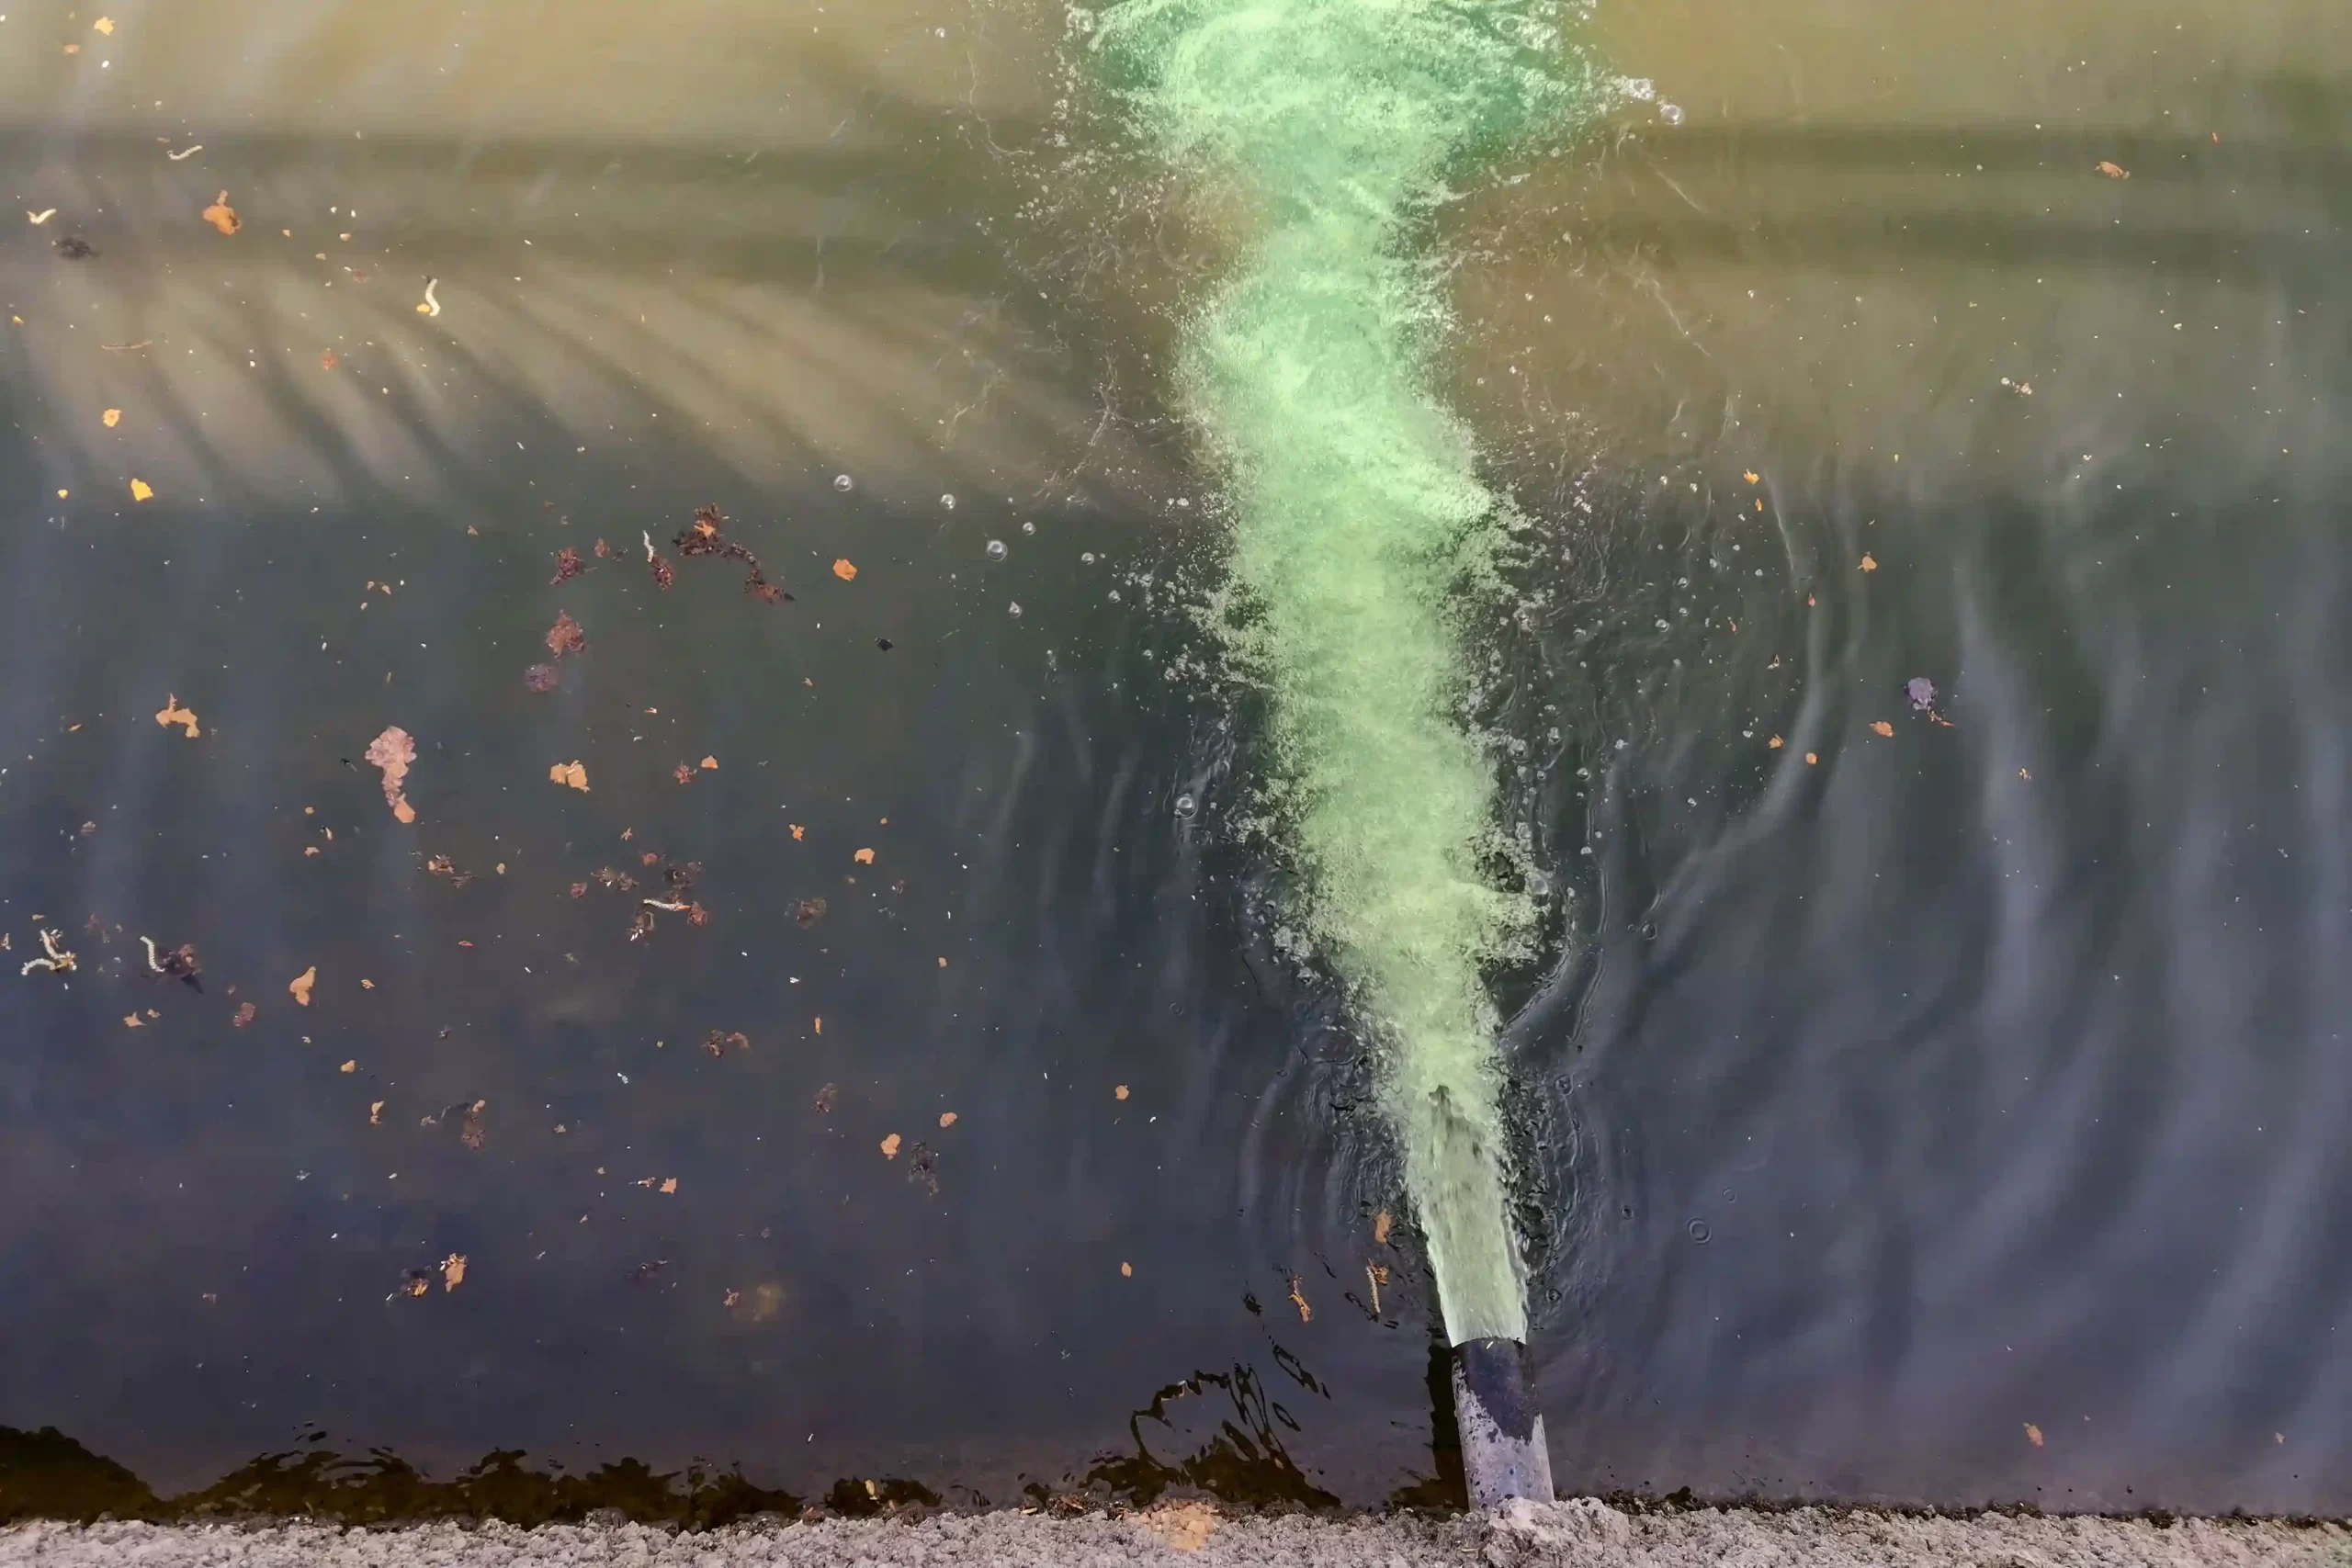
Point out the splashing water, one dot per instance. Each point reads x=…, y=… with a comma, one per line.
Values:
x=1362, y=535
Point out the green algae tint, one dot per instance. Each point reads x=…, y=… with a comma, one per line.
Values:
x=1361, y=536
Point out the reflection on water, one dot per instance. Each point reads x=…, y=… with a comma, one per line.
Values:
x=1893, y=1093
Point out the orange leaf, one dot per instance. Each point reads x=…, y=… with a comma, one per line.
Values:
x=453, y=1271
x=350, y=1066
x=863, y=857
x=947, y=1118
x=1811, y=758
x=1381, y=1222
x=175, y=714
x=300, y=986
x=1120, y=1093
x=1879, y=727
x=710, y=765
x=1126, y=1271
x=890, y=1146
x=1776, y=743
x=1870, y=562
x=2113, y=171
x=222, y=216
x=1750, y=476
x=570, y=773
x=796, y=829
x=141, y=491
x=844, y=571
x=111, y=418
x=2033, y=1434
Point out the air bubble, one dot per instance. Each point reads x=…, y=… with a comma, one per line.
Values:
x=1698, y=1232
x=1028, y=527
x=948, y=502
x=1087, y=558
x=1014, y=608
x=997, y=550
x=841, y=481
x=1186, y=807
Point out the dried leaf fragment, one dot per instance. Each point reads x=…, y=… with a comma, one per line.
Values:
x=300, y=986
x=1119, y=1093
x=863, y=857
x=2113, y=172
x=570, y=773
x=175, y=714
x=328, y=360
x=2033, y=1434
x=393, y=751
x=844, y=571
x=1381, y=1225
x=565, y=636
x=947, y=1118
x=103, y=25
x=472, y=1134
x=542, y=678
x=111, y=418
x=1751, y=476
x=222, y=216
x=141, y=491
x=1126, y=1271
x=1776, y=743
x=1870, y=561
x=1879, y=727
x=890, y=1146
x=350, y=1066
x=453, y=1271
x=1298, y=1300
x=827, y=1098
x=683, y=772
x=246, y=1012
x=710, y=765
x=375, y=1114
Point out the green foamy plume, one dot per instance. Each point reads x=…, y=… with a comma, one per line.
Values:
x=1361, y=533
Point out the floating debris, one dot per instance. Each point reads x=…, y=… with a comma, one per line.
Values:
x=299, y=987
x=430, y=305
x=542, y=677
x=453, y=1271
x=444, y=867
x=246, y=1012
x=58, y=960
x=180, y=963
x=392, y=751
x=922, y=1169
x=568, y=564
x=222, y=216
x=827, y=1098
x=703, y=537
x=662, y=574
x=717, y=1043
x=571, y=774
x=174, y=714
x=72, y=247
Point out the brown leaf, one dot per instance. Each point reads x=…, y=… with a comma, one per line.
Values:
x=1119, y=1093
x=683, y=772
x=300, y=986
x=565, y=636
x=890, y=1146
x=453, y=1271
x=175, y=714
x=473, y=1134
x=844, y=571
x=1879, y=727
x=2113, y=171
x=568, y=564
x=1298, y=1300
x=245, y=1014
x=222, y=216
x=2033, y=1434
x=809, y=911
x=570, y=773
x=393, y=751
x=827, y=1098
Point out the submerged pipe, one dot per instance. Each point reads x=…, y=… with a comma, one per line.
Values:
x=1503, y=1454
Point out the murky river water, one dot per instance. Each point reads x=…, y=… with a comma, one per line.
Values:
x=1922, y=676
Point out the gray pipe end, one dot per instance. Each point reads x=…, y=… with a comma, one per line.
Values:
x=1503, y=1454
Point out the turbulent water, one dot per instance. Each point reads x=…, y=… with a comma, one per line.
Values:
x=1361, y=533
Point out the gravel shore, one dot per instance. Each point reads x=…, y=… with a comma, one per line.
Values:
x=1583, y=1533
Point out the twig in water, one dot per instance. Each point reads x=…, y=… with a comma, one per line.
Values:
x=58, y=959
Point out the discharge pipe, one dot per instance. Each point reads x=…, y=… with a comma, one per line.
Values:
x=1503, y=1454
